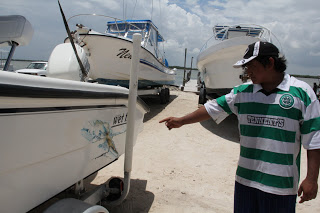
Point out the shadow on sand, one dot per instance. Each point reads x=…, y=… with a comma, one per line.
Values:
x=154, y=104
x=227, y=129
x=138, y=199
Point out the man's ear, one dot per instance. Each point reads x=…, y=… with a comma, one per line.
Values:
x=270, y=65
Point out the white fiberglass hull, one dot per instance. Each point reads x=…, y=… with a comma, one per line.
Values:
x=216, y=64
x=110, y=61
x=55, y=133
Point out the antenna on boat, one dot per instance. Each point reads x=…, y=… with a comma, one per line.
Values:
x=124, y=10
x=83, y=71
x=151, y=9
x=134, y=9
x=161, y=28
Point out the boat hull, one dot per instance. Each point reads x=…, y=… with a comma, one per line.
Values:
x=110, y=61
x=52, y=137
x=216, y=64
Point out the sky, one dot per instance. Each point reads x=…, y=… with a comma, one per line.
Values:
x=182, y=23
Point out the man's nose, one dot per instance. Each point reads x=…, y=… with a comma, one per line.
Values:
x=249, y=72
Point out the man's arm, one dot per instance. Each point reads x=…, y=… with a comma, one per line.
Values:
x=200, y=114
x=309, y=186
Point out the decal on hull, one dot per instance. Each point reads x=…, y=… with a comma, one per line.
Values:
x=100, y=132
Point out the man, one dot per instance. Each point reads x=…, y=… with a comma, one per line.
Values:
x=315, y=87
x=277, y=114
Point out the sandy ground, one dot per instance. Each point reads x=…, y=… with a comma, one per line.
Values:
x=190, y=169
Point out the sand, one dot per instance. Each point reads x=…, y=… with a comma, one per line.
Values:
x=190, y=169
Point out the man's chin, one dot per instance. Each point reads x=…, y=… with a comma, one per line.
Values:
x=254, y=81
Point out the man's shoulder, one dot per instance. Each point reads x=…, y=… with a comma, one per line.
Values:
x=302, y=90
x=298, y=83
x=246, y=87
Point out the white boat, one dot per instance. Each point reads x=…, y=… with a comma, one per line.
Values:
x=109, y=54
x=55, y=132
x=216, y=58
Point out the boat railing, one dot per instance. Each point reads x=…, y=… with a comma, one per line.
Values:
x=221, y=33
x=122, y=27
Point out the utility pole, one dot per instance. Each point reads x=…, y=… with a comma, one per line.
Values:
x=184, y=73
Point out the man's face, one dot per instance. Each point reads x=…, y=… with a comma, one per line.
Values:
x=257, y=72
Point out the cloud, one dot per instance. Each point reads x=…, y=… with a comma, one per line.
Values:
x=314, y=53
x=183, y=23
x=289, y=20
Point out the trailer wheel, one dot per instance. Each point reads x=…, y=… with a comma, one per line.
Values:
x=202, y=96
x=162, y=96
x=116, y=188
x=167, y=93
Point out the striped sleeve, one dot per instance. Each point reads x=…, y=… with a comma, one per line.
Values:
x=221, y=107
x=310, y=127
x=216, y=112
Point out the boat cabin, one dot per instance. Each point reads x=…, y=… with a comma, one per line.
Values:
x=150, y=34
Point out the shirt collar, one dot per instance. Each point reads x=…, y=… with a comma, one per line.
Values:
x=284, y=85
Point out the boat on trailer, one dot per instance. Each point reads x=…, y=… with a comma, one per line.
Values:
x=108, y=55
x=55, y=132
x=217, y=56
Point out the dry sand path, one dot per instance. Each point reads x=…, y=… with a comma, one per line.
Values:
x=190, y=169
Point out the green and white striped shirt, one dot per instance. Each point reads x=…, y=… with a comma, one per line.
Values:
x=272, y=129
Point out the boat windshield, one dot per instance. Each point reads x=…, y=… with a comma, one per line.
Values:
x=227, y=32
x=223, y=32
x=115, y=28
x=137, y=26
x=127, y=29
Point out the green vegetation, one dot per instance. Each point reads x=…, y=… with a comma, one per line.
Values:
x=182, y=68
x=26, y=60
x=305, y=76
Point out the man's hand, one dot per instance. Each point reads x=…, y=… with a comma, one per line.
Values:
x=308, y=190
x=309, y=187
x=200, y=114
x=172, y=122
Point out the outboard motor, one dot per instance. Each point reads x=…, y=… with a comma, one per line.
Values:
x=63, y=62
